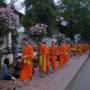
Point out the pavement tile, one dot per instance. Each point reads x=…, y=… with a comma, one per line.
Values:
x=58, y=80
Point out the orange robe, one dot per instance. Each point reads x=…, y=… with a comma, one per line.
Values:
x=28, y=55
x=53, y=52
x=40, y=49
x=89, y=47
x=61, y=56
x=42, y=57
x=81, y=47
x=66, y=48
x=75, y=50
x=47, y=59
x=86, y=47
x=68, y=51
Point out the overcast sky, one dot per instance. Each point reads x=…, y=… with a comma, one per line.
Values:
x=22, y=9
x=18, y=6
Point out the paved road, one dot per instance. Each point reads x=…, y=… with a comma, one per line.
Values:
x=54, y=81
x=82, y=80
x=58, y=80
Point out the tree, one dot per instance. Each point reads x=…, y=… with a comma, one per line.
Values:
x=1, y=2
x=8, y=19
x=40, y=11
x=77, y=13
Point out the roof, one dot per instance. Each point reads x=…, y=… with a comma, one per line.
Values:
x=15, y=11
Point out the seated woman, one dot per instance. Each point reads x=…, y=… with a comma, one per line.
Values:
x=17, y=67
x=5, y=75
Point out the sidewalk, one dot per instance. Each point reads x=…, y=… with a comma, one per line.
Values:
x=58, y=80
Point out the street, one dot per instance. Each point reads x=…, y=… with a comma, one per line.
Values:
x=44, y=44
x=60, y=79
x=82, y=80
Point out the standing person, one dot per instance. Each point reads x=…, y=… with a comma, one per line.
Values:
x=75, y=50
x=66, y=49
x=42, y=58
x=53, y=52
x=68, y=52
x=47, y=59
x=27, y=55
x=61, y=56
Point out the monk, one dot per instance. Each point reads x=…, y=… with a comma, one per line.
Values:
x=75, y=50
x=82, y=48
x=61, y=56
x=27, y=55
x=66, y=49
x=47, y=59
x=42, y=58
x=53, y=52
x=79, y=49
x=89, y=49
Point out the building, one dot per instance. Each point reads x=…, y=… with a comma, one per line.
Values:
x=8, y=32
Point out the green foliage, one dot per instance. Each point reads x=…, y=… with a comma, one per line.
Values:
x=77, y=11
x=2, y=2
x=39, y=11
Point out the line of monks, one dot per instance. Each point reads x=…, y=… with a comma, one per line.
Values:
x=48, y=57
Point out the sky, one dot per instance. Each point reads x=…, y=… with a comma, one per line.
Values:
x=18, y=6
x=22, y=9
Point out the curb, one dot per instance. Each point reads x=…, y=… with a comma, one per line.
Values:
x=74, y=77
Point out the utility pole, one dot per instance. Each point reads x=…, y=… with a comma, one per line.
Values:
x=14, y=35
